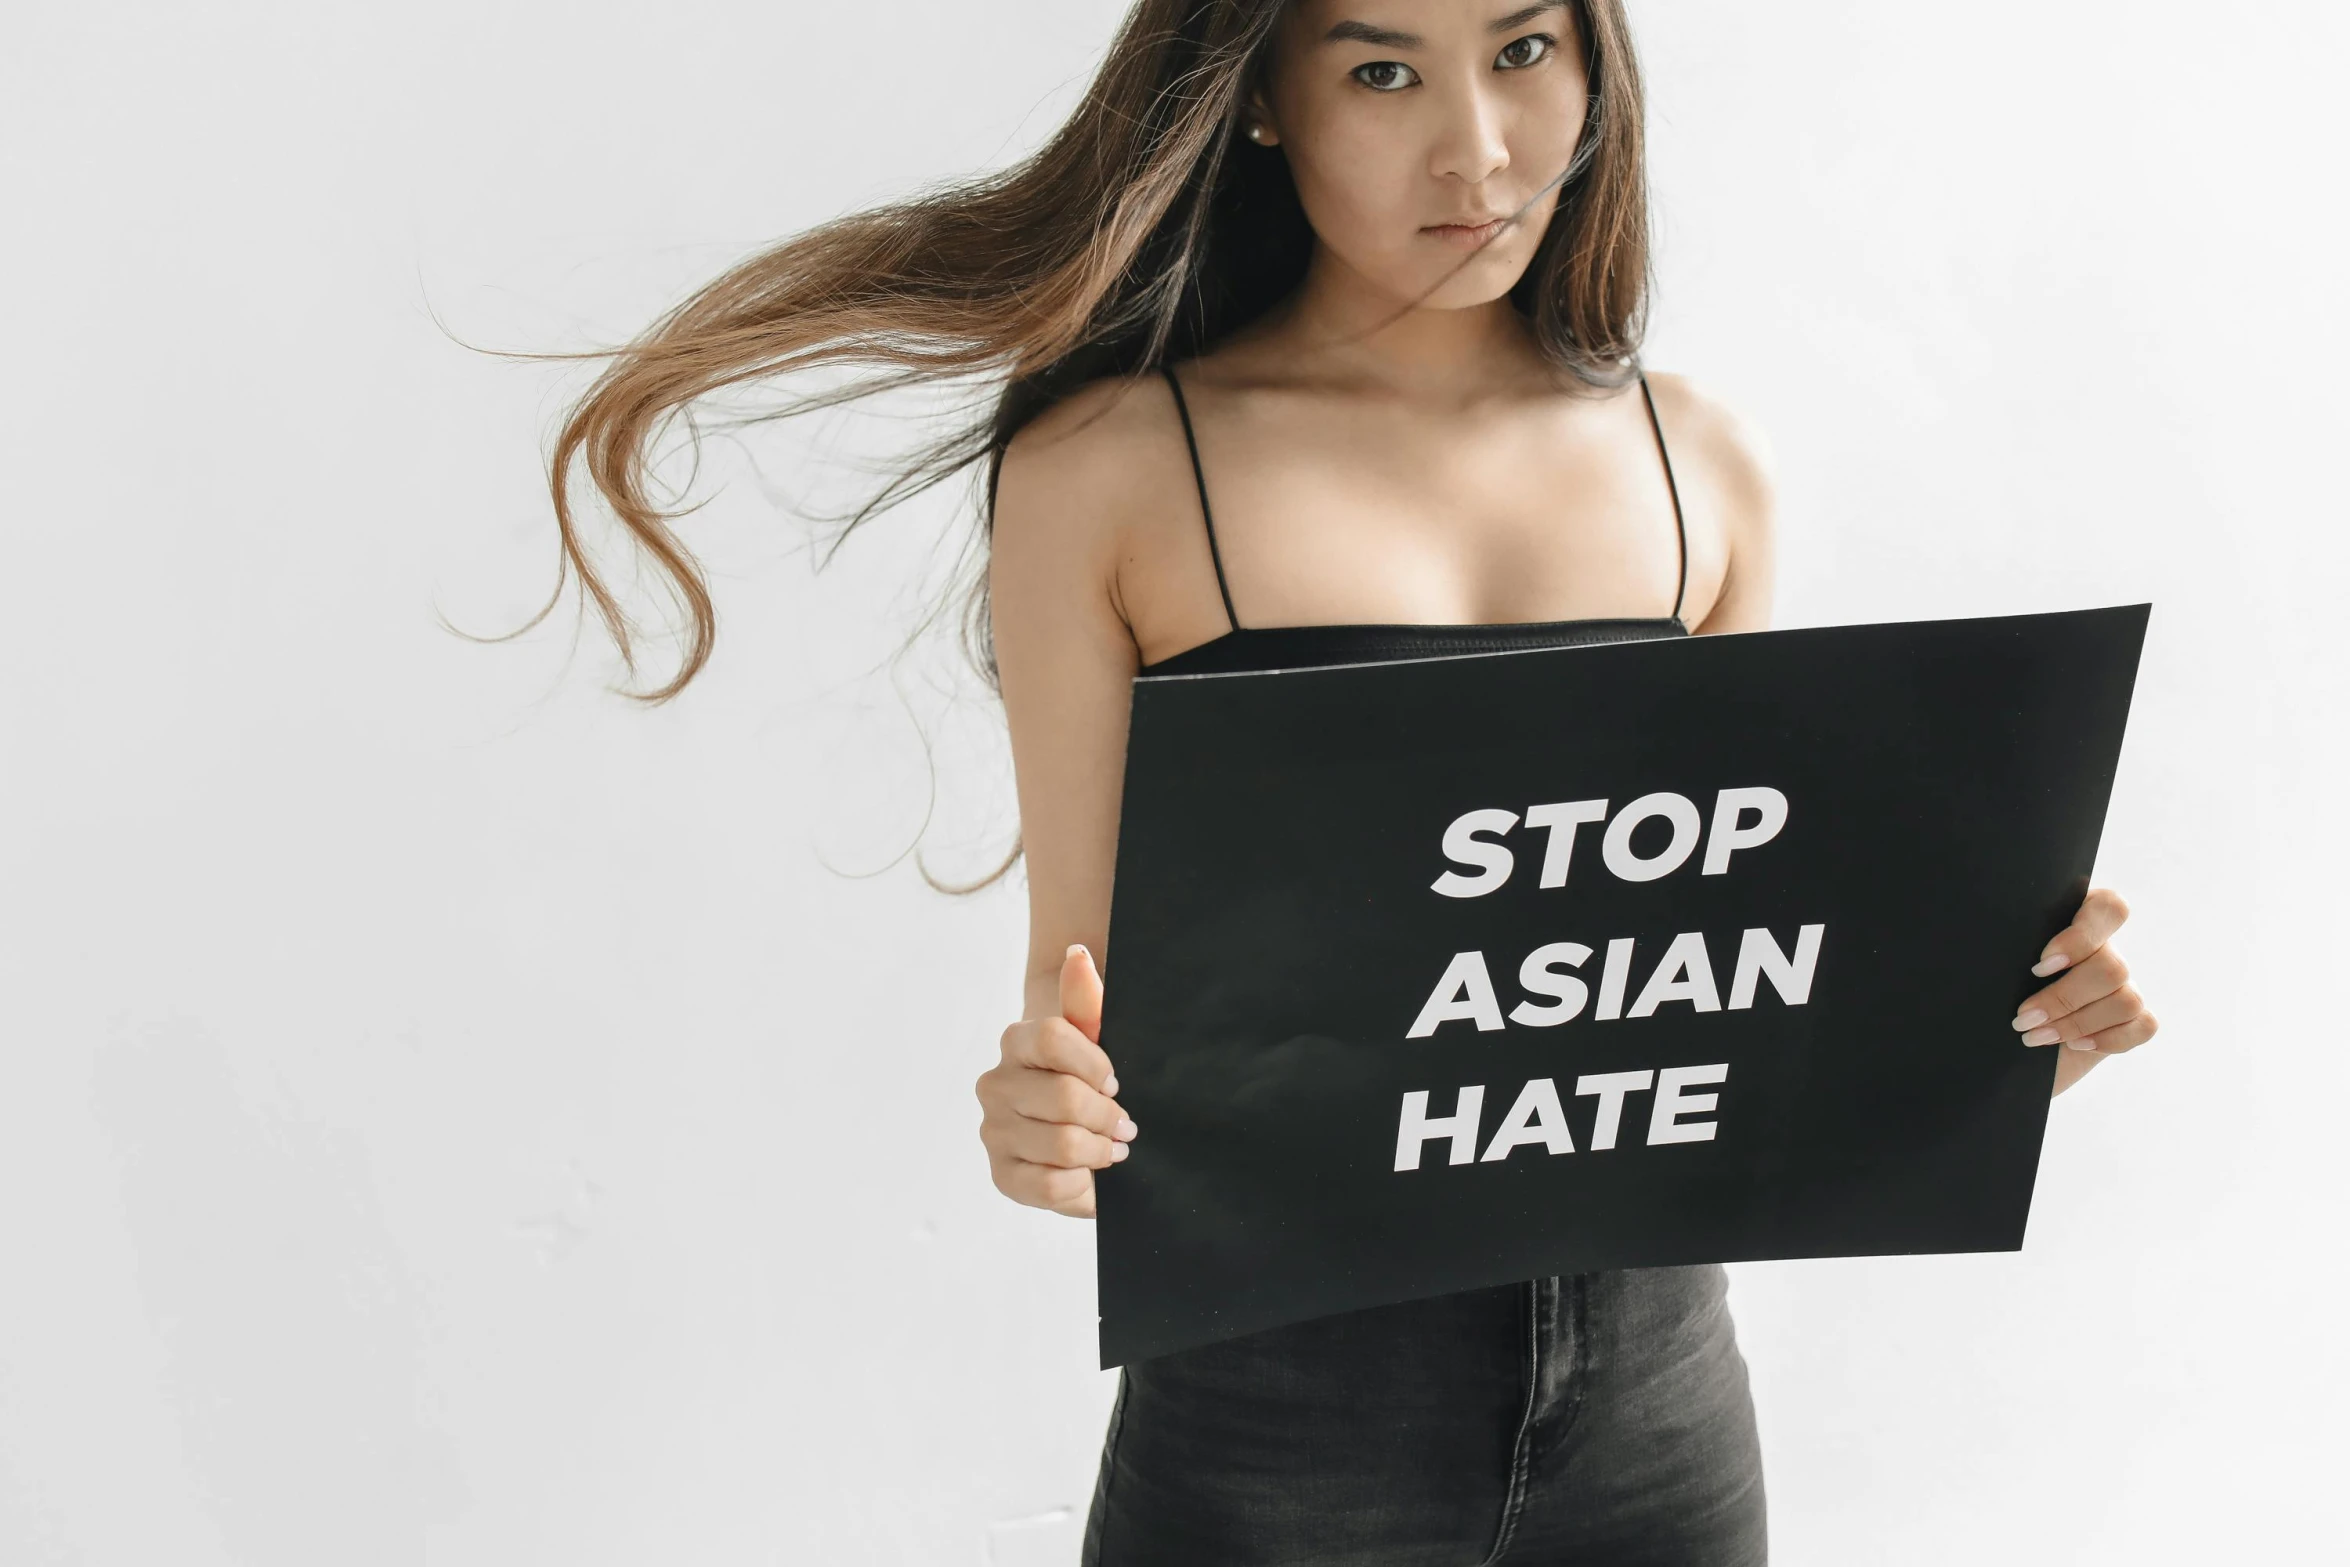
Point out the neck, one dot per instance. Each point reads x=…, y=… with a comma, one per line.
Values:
x=1343, y=326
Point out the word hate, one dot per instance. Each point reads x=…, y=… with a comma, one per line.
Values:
x=1538, y=1117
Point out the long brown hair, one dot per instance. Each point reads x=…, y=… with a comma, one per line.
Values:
x=1142, y=231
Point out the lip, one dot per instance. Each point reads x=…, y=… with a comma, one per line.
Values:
x=1468, y=236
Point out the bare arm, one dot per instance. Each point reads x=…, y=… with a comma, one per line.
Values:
x=1067, y=664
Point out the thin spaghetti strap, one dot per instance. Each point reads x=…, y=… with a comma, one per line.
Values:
x=1674, y=489
x=1199, y=477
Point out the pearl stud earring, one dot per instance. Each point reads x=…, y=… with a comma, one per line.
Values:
x=1256, y=133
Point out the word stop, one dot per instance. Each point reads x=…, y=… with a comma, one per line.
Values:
x=1474, y=838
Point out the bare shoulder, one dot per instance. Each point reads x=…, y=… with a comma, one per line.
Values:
x=1082, y=490
x=1093, y=461
x=1728, y=449
x=1724, y=465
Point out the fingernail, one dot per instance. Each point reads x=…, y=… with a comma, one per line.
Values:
x=1126, y=1128
x=1118, y=1151
x=2051, y=963
x=2042, y=1036
x=2031, y=1019
x=1110, y=1085
x=2082, y=1044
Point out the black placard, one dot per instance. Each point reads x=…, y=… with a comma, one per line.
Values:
x=1276, y=935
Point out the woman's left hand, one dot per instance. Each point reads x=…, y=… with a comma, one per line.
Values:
x=2089, y=1009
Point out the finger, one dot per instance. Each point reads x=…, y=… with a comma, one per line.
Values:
x=2100, y=915
x=1062, y=1096
x=1070, y=1192
x=1081, y=991
x=2104, y=1013
x=1058, y=1145
x=2123, y=1036
x=1062, y=1191
x=1008, y=1090
x=1053, y=1138
x=1054, y=1044
x=2099, y=977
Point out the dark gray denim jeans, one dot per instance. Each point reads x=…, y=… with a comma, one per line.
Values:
x=1594, y=1418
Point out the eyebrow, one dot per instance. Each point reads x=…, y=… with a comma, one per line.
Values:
x=1389, y=38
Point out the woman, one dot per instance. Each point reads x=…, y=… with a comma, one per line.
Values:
x=1369, y=275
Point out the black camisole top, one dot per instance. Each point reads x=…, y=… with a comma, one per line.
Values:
x=1313, y=647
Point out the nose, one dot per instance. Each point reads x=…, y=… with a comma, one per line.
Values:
x=1470, y=143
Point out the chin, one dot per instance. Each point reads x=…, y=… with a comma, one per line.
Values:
x=1481, y=282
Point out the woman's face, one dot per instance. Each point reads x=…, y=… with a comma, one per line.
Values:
x=1416, y=128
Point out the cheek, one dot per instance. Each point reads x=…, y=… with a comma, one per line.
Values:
x=1546, y=136
x=1355, y=181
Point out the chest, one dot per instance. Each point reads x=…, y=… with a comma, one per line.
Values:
x=1367, y=514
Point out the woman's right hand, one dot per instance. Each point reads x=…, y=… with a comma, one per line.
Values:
x=1047, y=1115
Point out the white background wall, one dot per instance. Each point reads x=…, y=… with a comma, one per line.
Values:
x=449, y=1114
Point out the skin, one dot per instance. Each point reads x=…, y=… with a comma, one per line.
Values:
x=1386, y=446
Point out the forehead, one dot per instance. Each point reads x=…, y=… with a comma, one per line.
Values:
x=1412, y=23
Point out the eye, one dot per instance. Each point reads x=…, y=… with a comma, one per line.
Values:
x=1519, y=53
x=1385, y=75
